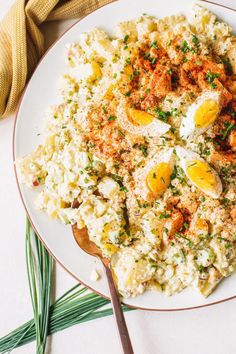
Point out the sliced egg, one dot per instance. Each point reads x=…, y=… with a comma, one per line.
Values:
x=199, y=172
x=152, y=180
x=201, y=114
x=138, y=117
x=140, y=122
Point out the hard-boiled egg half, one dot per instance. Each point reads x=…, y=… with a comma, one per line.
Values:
x=153, y=179
x=201, y=114
x=199, y=172
x=140, y=122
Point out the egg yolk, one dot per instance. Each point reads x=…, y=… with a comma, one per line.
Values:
x=128, y=70
x=201, y=175
x=206, y=113
x=110, y=248
x=96, y=70
x=138, y=117
x=158, y=178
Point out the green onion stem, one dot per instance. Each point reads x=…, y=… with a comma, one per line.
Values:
x=77, y=305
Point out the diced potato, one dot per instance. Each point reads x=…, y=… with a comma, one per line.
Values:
x=199, y=226
x=100, y=207
x=108, y=187
x=174, y=223
x=94, y=276
x=206, y=287
x=152, y=228
x=104, y=48
x=201, y=18
x=205, y=257
x=132, y=273
x=127, y=28
x=232, y=57
x=145, y=26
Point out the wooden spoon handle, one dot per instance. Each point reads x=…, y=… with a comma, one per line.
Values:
x=119, y=315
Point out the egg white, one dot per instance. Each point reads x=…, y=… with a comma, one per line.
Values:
x=154, y=129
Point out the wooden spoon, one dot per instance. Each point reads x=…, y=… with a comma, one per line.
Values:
x=82, y=239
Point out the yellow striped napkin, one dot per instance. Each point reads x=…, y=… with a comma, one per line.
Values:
x=22, y=43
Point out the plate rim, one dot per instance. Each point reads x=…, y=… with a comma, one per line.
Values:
x=24, y=204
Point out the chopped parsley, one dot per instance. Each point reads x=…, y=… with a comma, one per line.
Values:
x=164, y=215
x=227, y=65
x=196, y=44
x=121, y=133
x=162, y=115
x=104, y=109
x=210, y=77
x=154, y=45
x=201, y=268
x=123, y=189
x=195, y=40
x=229, y=127
x=147, y=55
x=178, y=173
x=143, y=148
x=185, y=48
x=126, y=38
x=226, y=201
x=188, y=241
x=184, y=227
x=119, y=180
x=204, y=150
x=182, y=252
x=153, y=61
x=111, y=118
x=232, y=112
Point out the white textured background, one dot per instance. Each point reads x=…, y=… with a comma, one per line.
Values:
x=204, y=331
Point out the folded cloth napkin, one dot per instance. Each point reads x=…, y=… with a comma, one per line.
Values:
x=22, y=43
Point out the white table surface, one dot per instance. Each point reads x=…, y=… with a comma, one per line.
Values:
x=205, y=331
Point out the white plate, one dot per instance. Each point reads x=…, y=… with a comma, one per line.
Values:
x=41, y=92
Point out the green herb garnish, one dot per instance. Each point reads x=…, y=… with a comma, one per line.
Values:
x=120, y=133
x=154, y=45
x=111, y=118
x=126, y=38
x=54, y=318
x=185, y=48
x=162, y=115
x=229, y=127
x=210, y=77
x=164, y=215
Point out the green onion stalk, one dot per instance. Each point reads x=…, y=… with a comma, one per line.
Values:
x=77, y=305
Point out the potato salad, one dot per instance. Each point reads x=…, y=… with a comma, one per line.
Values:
x=141, y=151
